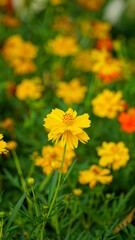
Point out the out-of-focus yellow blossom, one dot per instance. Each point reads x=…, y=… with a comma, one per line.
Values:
x=100, y=30
x=11, y=145
x=20, y=54
x=95, y=174
x=91, y=4
x=91, y=61
x=56, y=2
x=110, y=70
x=7, y=124
x=63, y=24
x=22, y=66
x=52, y=157
x=29, y=88
x=67, y=127
x=77, y=192
x=113, y=154
x=10, y=21
x=71, y=92
x=63, y=46
x=3, y=145
x=108, y=104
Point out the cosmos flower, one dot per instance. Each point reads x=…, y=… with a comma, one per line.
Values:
x=67, y=127
x=108, y=104
x=113, y=154
x=29, y=88
x=95, y=174
x=63, y=46
x=3, y=145
x=52, y=157
x=127, y=120
x=71, y=92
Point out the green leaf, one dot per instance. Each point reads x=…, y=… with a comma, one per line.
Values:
x=53, y=186
x=69, y=171
x=15, y=211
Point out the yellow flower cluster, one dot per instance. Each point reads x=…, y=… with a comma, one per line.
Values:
x=90, y=60
x=20, y=54
x=113, y=154
x=52, y=157
x=108, y=104
x=63, y=46
x=71, y=92
x=3, y=145
x=67, y=127
x=29, y=88
x=95, y=174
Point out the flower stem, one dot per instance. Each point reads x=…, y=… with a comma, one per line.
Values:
x=35, y=201
x=55, y=194
x=45, y=181
x=19, y=170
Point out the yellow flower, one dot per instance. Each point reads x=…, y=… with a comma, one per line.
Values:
x=71, y=92
x=90, y=61
x=52, y=157
x=113, y=154
x=3, y=145
x=77, y=192
x=100, y=30
x=11, y=145
x=63, y=46
x=95, y=174
x=29, y=88
x=19, y=54
x=67, y=126
x=108, y=104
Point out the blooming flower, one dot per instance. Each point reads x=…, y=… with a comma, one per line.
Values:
x=91, y=61
x=29, y=88
x=105, y=44
x=95, y=174
x=14, y=50
x=67, y=126
x=113, y=154
x=127, y=120
x=100, y=30
x=110, y=71
x=3, y=145
x=69, y=46
x=52, y=157
x=71, y=92
x=108, y=104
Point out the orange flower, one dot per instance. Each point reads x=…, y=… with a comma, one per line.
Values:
x=127, y=120
x=10, y=21
x=105, y=44
x=91, y=4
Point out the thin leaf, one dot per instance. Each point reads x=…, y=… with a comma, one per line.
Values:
x=53, y=186
x=69, y=171
x=15, y=211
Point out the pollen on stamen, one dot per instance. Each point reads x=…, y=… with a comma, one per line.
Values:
x=67, y=118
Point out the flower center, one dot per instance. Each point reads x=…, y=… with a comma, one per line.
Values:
x=67, y=118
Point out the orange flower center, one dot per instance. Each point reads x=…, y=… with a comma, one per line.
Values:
x=67, y=118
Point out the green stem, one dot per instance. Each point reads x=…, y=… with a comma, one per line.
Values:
x=55, y=194
x=45, y=181
x=35, y=201
x=1, y=228
x=19, y=170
